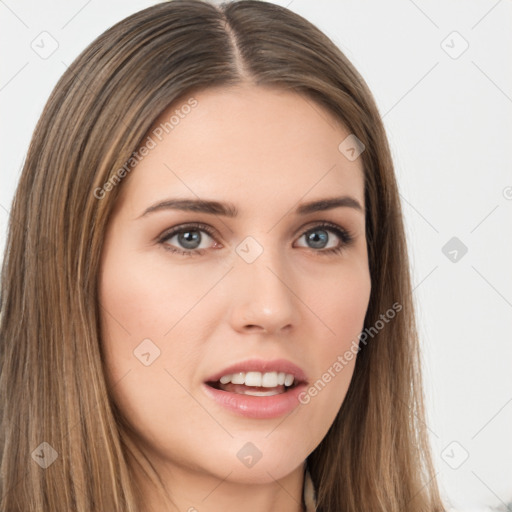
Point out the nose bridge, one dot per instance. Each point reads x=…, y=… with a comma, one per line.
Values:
x=264, y=286
x=262, y=264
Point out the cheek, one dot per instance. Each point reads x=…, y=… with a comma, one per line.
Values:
x=153, y=312
x=146, y=313
x=144, y=296
x=140, y=299
x=341, y=305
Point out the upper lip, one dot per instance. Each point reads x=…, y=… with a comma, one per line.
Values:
x=261, y=365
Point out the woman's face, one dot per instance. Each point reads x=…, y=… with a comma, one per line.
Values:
x=251, y=295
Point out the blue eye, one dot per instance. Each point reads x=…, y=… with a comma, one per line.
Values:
x=318, y=236
x=189, y=238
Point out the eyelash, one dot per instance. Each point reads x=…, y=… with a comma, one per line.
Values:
x=346, y=237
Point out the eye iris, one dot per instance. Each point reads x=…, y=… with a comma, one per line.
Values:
x=189, y=237
x=312, y=237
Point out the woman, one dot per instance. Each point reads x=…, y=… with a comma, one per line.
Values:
x=206, y=299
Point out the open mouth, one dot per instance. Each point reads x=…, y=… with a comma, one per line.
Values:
x=255, y=383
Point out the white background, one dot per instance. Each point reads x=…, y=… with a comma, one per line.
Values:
x=449, y=122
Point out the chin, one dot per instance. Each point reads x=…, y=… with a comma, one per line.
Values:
x=248, y=465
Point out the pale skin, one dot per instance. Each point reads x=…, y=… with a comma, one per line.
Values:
x=266, y=151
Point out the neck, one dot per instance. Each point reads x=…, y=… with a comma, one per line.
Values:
x=198, y=491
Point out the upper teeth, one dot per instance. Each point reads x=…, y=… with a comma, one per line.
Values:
x=266, y=380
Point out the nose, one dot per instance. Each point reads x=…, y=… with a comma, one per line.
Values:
x=264, y=296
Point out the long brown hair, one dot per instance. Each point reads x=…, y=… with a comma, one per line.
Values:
x=64, y=445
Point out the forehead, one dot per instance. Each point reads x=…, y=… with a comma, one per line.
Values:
x=246, y=143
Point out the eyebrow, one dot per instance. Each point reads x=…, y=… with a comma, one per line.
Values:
x=230, y=210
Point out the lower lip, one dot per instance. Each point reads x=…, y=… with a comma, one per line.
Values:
x=260, y=407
